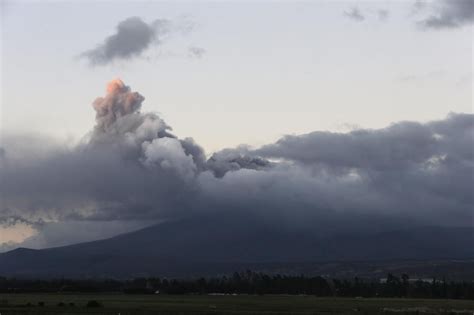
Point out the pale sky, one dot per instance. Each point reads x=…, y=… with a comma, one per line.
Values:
x=296, y=67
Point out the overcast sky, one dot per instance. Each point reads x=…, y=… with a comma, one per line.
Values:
x=229, y=73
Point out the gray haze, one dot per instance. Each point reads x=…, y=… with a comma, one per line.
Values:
x=354, y=14
x=131, y=168
x=450, y=14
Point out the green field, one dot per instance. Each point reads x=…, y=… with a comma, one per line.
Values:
x=241, y=304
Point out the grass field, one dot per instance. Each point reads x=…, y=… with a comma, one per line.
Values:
x=241, y=304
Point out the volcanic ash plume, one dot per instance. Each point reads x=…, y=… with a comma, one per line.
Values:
x=142, y=137
x=118, y=102
x=145, y=137
x=132, y=168
x=120, y=124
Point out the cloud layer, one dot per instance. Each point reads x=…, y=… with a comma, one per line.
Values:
x=131, y=168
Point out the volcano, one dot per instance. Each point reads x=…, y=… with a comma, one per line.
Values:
x=208, y=245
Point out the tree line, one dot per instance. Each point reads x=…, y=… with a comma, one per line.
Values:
x=249, y=282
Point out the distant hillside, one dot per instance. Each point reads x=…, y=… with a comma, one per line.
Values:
x=206, y=246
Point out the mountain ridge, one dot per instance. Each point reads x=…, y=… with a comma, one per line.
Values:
x=186, y=248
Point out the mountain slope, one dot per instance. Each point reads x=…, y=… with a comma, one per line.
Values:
x=207, y=245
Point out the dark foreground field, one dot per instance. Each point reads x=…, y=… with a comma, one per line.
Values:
x=241, y=304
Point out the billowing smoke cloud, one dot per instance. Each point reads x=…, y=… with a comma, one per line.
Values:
x=119, y=102
x=235, y=159
x=132, y=38
x=127, y=158
x=131, y=168
x=450, y=14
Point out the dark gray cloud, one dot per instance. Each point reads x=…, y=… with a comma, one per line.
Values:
x=428, y=167
x=133, y=37
x=449, y=14
x=354, y=14
x=399, y=146
x=131, y=168
x=235, y=159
